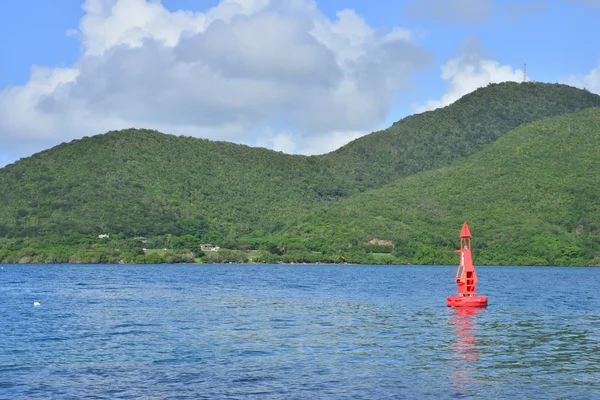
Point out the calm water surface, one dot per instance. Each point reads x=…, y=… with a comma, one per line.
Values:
x=295, y=332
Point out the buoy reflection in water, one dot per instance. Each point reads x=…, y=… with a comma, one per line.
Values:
x=466, y=353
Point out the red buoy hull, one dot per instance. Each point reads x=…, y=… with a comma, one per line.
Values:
x=467, y=301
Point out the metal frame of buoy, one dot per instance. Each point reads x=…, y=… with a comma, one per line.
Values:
x=466, y=277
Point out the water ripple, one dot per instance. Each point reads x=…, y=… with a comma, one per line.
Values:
x=272, y=332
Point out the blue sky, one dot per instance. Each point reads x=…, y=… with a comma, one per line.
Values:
x=297, y=76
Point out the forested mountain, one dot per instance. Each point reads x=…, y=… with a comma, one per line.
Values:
x=141, y=182
x=435, y=138
x=181, y=191
x=531, y=198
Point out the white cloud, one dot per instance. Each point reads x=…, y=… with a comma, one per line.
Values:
x=110, y=23
x=590, y=81
x=311, y=145
x=468, y=72
x=242, y=67
x=283, y=141
x=331, y=141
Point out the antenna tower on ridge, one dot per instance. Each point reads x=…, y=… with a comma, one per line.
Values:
x=525, y=72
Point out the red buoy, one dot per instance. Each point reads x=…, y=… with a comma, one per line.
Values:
x=466, y=277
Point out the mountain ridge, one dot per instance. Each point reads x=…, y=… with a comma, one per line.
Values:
x=144, y=183
x=531, y=198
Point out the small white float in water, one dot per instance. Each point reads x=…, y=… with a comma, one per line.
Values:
x=36, y=304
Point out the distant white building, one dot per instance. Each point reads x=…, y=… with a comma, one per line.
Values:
x=209, y=247
x=142, y=239
x=103, y=236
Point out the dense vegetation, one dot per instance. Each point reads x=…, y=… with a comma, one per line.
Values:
x=531, y=198
x=435, y=138
x=160, y=196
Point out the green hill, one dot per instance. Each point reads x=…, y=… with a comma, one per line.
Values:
x=530, y=198
x=181, y=191
x=436, y=138
x=141, y=182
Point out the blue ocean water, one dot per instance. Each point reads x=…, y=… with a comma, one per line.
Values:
x=296, y=332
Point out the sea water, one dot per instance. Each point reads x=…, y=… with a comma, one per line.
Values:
x=296, y=332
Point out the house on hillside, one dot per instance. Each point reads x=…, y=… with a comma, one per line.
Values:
x=142, y=239
x=103, y=236
x=381, y=242
x=209, y=247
